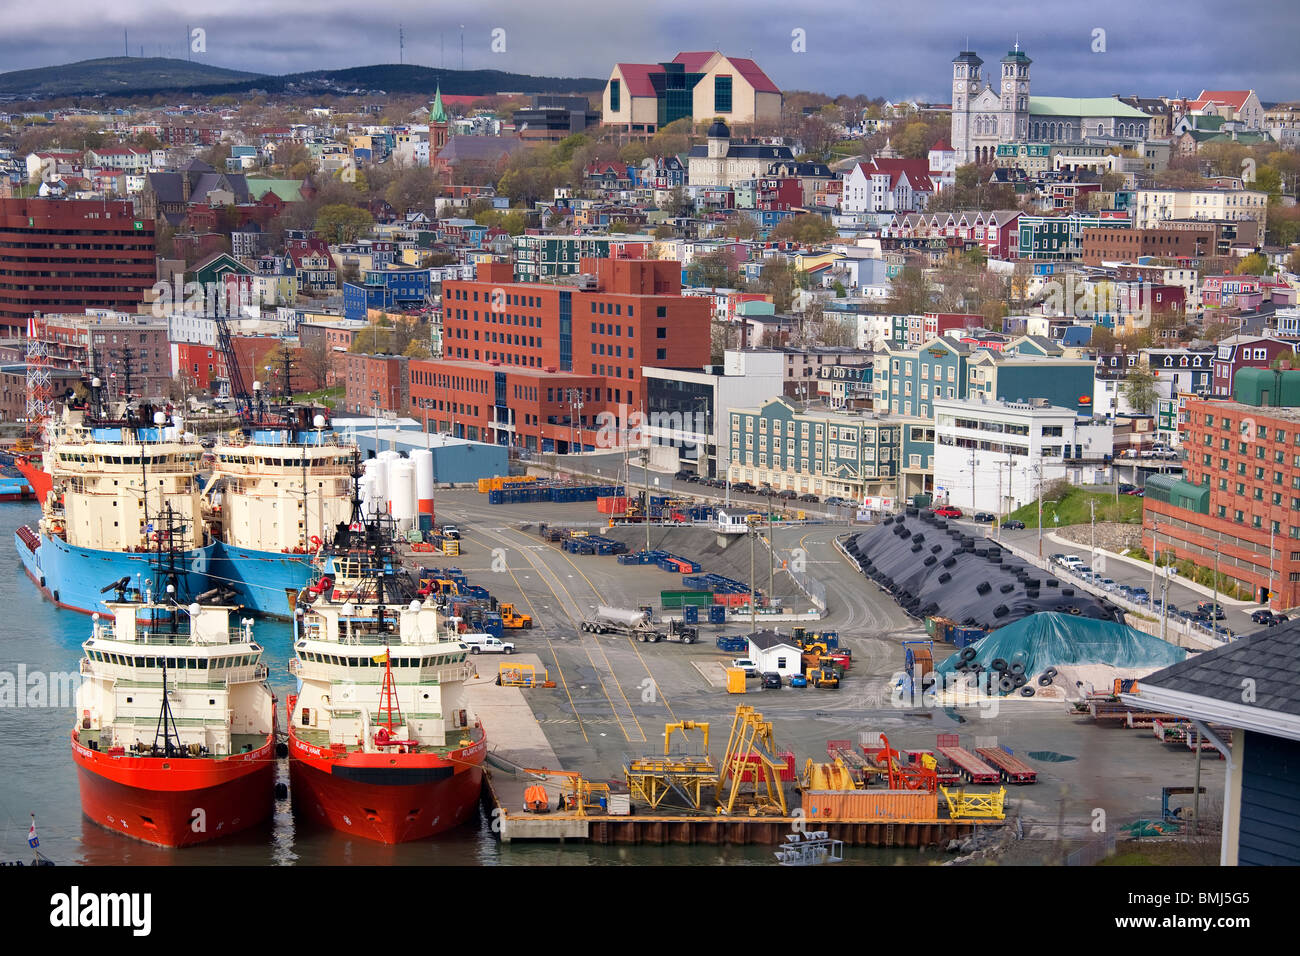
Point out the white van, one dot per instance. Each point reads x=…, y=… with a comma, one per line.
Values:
x=487, y=644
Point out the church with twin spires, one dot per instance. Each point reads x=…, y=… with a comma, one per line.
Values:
x=984, y=114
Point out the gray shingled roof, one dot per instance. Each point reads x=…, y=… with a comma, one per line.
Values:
x=1270, y=658
x=766, y=640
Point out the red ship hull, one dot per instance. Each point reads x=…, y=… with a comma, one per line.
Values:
x=388, y=798
x=156, y=799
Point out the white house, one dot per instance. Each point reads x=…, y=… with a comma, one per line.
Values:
x=775, y=653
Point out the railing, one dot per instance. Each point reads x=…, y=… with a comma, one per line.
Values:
x=160, y=638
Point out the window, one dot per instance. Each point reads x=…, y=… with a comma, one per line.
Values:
x=722, y=94
x=614, y=97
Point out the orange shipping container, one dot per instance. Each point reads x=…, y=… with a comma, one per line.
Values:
x=870, y=805
x=611, y=506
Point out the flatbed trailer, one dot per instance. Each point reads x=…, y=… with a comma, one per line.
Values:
x=1142, y=719
x=971, y=767
x=1170, y=731
x=1108, y=710
x=1014, y=770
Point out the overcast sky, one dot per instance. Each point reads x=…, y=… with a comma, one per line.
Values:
x=891, y=49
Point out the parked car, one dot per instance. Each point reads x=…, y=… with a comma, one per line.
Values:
x=750, y=668
x=684, y=475
x=487, y=644
x=1210, y=608
x=744, y=487
x=788, y=494
x=1264, y=616
x=451, y=531
x=1013, y=525
x=1126, y=489
x=948, y=511
x=835, y=501
x=1107, y=584
x=771, y=681
x=809, y=497
x=798, y=680
x=983, y=517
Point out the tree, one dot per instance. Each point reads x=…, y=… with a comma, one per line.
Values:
x=663, y=231
x=1285, y=360
x=1112, y=182
x=414, y=188
x=739, y=226
x=417, y=350
x=678, y=203
x=317, y=360
x=1252, y=265
x=815, y=327
x=1140, y=389
x=340, y=223
x=714, y=270
x=806, y=228
x=777, y=278
x=910, y=292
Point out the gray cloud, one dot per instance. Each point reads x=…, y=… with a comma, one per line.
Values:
x=1155, y=47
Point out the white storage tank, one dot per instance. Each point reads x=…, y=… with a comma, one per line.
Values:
x=401, y=493
x=422, y=460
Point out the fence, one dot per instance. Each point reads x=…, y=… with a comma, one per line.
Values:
x=1090, y=854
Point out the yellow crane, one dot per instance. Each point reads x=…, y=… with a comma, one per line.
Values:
x=751, y=752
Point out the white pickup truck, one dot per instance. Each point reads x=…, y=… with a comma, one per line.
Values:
x=487, y=644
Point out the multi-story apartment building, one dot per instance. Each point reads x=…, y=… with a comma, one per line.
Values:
x=815, y=451
x=642, y=97
x=1238, y=509
x=1060, y=238
x=1127, y=245
x=1153, y=206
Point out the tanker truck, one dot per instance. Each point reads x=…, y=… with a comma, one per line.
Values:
x=637, y=624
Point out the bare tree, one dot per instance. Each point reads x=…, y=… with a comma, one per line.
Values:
x=317, y=360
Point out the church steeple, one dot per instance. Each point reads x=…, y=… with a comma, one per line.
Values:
x=437, y=124
x=437, y=114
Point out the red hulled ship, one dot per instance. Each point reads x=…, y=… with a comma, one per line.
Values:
x=175, y=743
x=383, y=743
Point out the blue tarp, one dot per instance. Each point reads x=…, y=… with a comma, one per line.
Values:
x=1049, y=639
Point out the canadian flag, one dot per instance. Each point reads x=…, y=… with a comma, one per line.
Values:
x=31, y=326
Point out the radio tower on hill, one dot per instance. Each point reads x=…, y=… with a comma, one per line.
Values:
x=40, y=393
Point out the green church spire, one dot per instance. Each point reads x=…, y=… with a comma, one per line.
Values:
x=437, y=114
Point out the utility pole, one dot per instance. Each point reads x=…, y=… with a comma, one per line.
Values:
x=1038, y=469
x=1164, y=604
x=1270, y=564
x=1155, y=551
x=1214, y=622
x=972, y=479
x=1092, y=507
x=645, y=475
x=771, y=546
x=753, y=610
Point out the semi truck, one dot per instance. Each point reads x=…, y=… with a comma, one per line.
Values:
x=637, y=624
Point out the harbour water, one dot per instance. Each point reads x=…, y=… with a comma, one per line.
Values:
x=39, y=640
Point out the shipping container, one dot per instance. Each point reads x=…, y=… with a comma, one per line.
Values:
x=610, y=505
x=717, y=614
x=620, y=804
x=671, y=599
x=735, y=680
x=872, y=805
x=691, y=614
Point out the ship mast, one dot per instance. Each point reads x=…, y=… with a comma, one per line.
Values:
x=167, y=729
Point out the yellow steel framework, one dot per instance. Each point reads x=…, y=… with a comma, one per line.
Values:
x=651, y=779
x=976, y=806
x=751, y=751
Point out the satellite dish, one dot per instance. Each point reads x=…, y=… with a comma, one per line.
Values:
x=159, y=418
x=195, y=609
x=319, y=421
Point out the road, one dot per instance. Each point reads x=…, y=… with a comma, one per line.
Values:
x=1180, y=596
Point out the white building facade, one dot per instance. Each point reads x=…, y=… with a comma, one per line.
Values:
x=994, y=455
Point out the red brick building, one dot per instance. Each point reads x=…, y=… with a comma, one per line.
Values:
x=1239, y=506
x=67, y=255
x=366, y=375
x=1128, y=245
x=517, y=356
